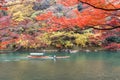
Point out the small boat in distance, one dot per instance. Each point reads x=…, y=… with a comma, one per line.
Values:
x=42, y=56
x=39, y=55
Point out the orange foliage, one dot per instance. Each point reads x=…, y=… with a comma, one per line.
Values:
x=44, y=16
x=2, y=2
x=3, y=45
x=89, y=17
x=107, y=4
x=3, y=8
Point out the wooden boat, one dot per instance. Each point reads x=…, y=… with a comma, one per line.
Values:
x=48, y=57
x=42, y=56
x=39, y=55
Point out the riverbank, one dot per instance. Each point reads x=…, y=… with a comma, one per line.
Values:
x=49, y=50
x=54, y=50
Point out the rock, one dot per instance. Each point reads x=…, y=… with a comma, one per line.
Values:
x=87, y=50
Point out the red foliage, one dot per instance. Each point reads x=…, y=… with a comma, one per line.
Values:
x=44, y=16
x=2, y=2
x=89, y=16
x=86, y=18
x=112, y=46
x=4, y=21
x=4, y=44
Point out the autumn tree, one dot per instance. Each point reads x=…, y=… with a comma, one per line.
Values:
x=18, y=20
x=100, y=14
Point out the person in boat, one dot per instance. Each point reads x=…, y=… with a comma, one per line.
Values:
x=54, y=56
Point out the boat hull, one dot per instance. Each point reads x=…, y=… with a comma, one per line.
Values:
x=48, y=57
x=40, y=57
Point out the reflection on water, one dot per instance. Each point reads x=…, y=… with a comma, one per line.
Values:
x=80, y=66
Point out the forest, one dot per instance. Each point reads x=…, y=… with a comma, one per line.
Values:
x=59, y=24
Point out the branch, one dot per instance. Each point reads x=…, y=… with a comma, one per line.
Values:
x=99, y=7
x=4, y=28
x=115, y=27
x=17, y=48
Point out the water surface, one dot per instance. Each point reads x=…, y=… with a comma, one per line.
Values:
x=80, y=66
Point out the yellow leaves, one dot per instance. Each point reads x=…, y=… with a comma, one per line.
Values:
x=20, y=11
x=88, y=34
x=18, y=16
x=56, y=34
x=58, y=39
x=43, y=39
x=26, y=42
x=81, y=39
x=69, y=39
x=68, y=44
x=33, y=45
x=23, y=43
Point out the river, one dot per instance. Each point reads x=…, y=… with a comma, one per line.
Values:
x=103, y=65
